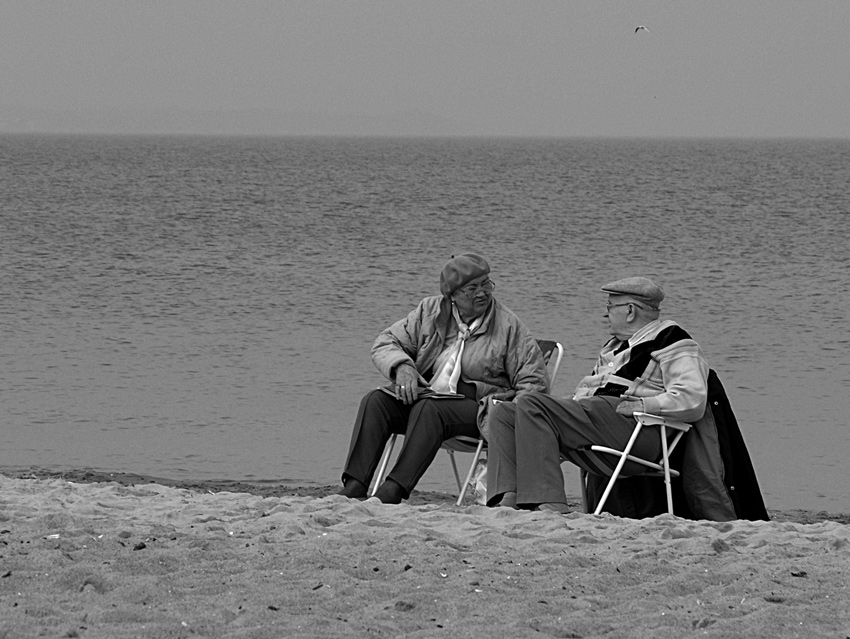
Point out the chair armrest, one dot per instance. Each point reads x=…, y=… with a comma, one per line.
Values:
x=656, y=420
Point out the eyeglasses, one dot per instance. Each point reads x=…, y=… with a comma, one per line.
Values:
x=470, y=290
x=608, y=307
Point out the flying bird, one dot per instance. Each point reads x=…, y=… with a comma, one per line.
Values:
x=641, y=27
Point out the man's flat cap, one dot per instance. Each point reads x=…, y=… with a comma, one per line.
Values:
x=640, y=288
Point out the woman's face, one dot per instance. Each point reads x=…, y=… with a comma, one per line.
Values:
x=473, y=298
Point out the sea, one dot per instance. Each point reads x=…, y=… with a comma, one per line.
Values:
x=199, y=308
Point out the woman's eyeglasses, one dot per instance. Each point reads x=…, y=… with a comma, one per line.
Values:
x=471, y=289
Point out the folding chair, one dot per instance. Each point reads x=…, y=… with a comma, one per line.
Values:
x=553, y=352
x=610, y=462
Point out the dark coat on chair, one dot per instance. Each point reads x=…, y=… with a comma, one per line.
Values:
x=718, y=481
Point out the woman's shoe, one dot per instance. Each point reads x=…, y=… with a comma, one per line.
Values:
x=354, y=489
x=390, y=492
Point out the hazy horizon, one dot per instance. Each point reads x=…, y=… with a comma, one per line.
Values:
x=768, y=68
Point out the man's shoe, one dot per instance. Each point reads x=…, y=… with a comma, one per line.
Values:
x=508, y=501
x=554, y=507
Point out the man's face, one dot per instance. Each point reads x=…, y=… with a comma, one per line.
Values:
x=620, y=315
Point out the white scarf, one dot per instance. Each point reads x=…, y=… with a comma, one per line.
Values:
x=446, y=380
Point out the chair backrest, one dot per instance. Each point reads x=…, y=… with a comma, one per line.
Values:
x=551, y=348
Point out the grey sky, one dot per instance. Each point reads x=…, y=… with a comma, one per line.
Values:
x=529, y=67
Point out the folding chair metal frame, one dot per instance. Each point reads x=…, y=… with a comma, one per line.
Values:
x=589, y=459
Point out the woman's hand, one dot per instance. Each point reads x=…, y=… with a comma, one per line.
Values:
x=406, y=383
x=504, y=396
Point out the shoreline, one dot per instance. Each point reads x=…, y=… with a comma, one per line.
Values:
x=272, y=489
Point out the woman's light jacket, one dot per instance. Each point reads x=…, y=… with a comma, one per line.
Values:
x=500, y=356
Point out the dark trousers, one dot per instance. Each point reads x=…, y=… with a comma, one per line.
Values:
x=425, y=424
x=527, y=438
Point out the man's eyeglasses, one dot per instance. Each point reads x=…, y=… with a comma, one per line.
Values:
x=608, y=307
x=471, y=289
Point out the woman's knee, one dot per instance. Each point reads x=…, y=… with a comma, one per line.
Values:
x=436, y=418
x=426, y=417
x=379, y=410
x=374, y=397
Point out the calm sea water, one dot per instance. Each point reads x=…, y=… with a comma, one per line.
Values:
x=199, y=308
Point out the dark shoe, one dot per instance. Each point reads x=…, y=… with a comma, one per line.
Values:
x=508, y=501
x=354, y=489
x=390, y=492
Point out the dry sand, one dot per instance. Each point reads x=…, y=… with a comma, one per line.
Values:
x=121, y=556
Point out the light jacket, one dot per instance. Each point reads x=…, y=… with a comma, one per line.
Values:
x=500, y=356
x=660, y=364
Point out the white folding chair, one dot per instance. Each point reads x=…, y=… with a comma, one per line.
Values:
x=611, y=463
x=553, y=352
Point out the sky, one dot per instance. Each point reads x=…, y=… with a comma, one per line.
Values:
x=719, y=68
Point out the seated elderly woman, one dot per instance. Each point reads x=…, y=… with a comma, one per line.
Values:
x=462, y=342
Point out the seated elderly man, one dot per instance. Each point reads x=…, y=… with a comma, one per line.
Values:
x=463, y=345
x=649, y=365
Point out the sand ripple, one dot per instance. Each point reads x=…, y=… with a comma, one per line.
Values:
x=105, y=560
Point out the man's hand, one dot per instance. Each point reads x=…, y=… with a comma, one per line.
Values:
x=407, y=383
x=630, y=406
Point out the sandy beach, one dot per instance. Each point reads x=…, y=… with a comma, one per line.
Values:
x=84, y=554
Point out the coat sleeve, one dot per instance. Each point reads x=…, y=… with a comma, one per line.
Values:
x=684, y=372
x=525, y=364
x=405, y=340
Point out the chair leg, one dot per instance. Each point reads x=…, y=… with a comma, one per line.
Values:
x=462, y=489
x=582, y=479
x=454, y=468
x=617, y=470
x=385, y=460
x=665, y=461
